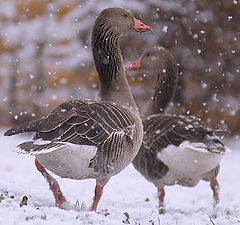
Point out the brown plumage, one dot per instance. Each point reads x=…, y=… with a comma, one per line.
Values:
x=83, y=139
x=176, y=149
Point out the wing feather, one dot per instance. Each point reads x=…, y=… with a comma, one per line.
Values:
x=83, y=123
x=163, y=130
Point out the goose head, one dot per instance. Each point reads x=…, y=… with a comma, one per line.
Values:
x=154, y=60
x=120, y=21
x=160, y=63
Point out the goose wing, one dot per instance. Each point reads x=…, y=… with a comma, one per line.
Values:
x=100, y=124
x=163, y=130
x=58, y=116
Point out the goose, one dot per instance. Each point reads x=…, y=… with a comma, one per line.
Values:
x=82, y=139
x=176, y=149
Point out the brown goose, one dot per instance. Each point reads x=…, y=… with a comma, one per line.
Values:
x=83, y=139
x=176, y=149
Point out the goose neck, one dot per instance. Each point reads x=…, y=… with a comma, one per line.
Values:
x=109, y=65
x=164, y=91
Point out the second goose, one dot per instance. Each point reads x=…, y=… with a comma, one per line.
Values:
x=176, y=149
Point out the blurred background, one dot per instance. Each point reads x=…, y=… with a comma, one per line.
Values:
x=45, y=55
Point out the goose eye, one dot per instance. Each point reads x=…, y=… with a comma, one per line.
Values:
x=125, y=15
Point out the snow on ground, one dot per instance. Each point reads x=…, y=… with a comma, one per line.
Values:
x=128, y=193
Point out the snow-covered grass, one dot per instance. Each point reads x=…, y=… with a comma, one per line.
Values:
x=127, y=198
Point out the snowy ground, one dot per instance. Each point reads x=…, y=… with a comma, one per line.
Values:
x=127, y=192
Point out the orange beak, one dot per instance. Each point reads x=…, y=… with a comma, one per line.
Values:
x=141, y=27
x=135, y=65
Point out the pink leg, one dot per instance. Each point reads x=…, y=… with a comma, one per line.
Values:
x=98, y=195
x=161, y=195
x=53, y=185
x=215, y=188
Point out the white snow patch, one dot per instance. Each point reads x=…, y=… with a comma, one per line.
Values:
x=126, y=192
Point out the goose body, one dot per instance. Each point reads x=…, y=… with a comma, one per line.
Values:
x=73, y=141
x=83, y=139
x=176, y=149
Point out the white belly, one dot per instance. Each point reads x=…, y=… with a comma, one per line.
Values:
x=70, y=161
x=187, y=164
